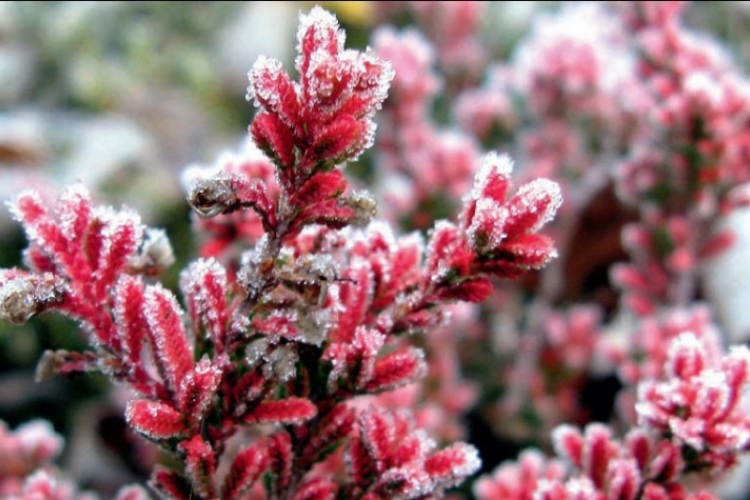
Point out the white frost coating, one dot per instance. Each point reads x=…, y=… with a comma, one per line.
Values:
x=538, y=189
x=493, y=164
x=13, y=204
x=255, y=351
x=193, y=277
x=320, y=324
x=264, y=68
x=115, y=222
x=489, y=222
x=71, y=197
x=324, y=25
x=18, y=215
x=383, y=230
x=713, y=393
x=410, y=482
x=686, y=346
x=470, y=464
x=281, y=363
x=248, y=274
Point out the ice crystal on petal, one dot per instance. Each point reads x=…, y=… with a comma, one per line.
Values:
x=74, y=200
x=261, y=89
x=493, y=165
x=281, y=363
x=155, y=254
x=487, y=225
x=255, y=351
x=540, y=193
x=318, y=30
x=686, y=356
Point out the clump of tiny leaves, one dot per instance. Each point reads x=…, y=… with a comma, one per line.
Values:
x=252, y=375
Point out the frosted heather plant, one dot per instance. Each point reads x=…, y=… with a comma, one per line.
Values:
x=254, y=383
x=692, y=428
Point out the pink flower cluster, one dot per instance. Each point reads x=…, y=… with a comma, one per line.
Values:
x=27, y=471
x=691, y=419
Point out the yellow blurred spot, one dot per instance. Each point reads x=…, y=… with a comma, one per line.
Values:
x=355, y=13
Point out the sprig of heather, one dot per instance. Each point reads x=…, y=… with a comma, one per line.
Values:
x=315, y=315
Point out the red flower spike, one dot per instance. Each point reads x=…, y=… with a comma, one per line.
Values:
x=130, y=322
x=319, y=187
x=42, y=230
x=154, y=420
x=170, y=484
x=281, y=460
x=470, y=290
x=75, y=203
x=376, y=429
x=569, y=444
x=122, y=234
x=284, y=411
x=173, y=355
x=200, y=465
x=397, y=369
x=335, y=142
x=204, y=285
x=598, y=450
x=638, y=446
x=528, y=251
x=247, y=467
x=360, y=464
x=247, y=389
x=335, y=427
x=717, y=244
x=451, y=465
x=279, y=323
x=275, y=139
x=355, y=295
x=666, y=463
x=317, y=31
x=198, y=390
x=331, y=213
x=623, y=479
x=38, y=260
x=401, y=455
x=329, y=115
x=355, y=359
x=318, y=488
x=447, y=252
x=274, y=91
x=533, y=205
x=94, y=241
